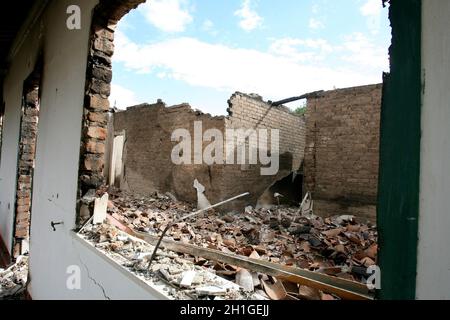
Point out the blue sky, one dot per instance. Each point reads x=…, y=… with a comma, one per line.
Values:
x=202, y=51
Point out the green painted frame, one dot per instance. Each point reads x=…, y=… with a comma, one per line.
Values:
x=398, y=196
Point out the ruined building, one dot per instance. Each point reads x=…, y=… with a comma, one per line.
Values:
x=342, y=150
x=74, y=86
x=335, y=147
x=142, y=148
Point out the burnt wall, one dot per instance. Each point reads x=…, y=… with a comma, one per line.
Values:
x=252, y=112
x=27, y=150
x=148, y=166
x=342, y=150
x=147, y=150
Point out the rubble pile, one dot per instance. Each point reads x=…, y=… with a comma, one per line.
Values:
x=178, y=277
x=13, y=280
x=337, y=246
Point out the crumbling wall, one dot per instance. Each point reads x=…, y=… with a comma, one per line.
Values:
x=97, y=90
x=342, y=150
x=250, y=111
x=27, y=147
x=148, y=166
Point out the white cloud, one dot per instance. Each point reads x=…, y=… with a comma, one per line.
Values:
x=315, y=8
x=372, y=10
x=122, y=97
x=167, y=15
x=358, y=49
x=279, y=73
x=208, y=26
x=250, y=19
x=301, y=50
x=316, y=24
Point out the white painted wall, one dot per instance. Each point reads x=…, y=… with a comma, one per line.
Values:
x=13, y=88
x=433, y=273
x=57, y=157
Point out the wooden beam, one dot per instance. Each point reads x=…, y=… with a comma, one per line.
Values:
x=343, y=288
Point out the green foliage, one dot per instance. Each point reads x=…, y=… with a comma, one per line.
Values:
x=300, y=110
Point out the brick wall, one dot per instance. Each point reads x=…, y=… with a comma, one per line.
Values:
x=342, y=150
x=252, y=112
x=147, y=155
x=96, y=105
x=148, y=166
x=27, y=146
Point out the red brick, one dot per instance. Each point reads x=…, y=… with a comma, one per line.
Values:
x=99, y=117
x=95, y=147
x=98, y=102
x=24, y=201
x=93, y=163
x=97, y=133
x=22, y=209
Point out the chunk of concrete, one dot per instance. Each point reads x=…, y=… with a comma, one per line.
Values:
x=211, y=291
x=100, y=207
x=245, y=279
x=202, y=201
x=188, y=278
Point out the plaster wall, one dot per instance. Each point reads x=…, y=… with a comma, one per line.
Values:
x=433, y=269
x=57, y=161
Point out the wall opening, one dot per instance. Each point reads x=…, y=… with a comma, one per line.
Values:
x=116, y=164
x=94, y=169
x=26, y=161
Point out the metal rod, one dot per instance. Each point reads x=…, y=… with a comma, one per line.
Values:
x=84, y=226
x=288, y=100
x=212, y=207
x=187, y=217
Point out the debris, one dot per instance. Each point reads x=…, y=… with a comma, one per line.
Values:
x=211, y=291
x=311, y=243
x=190, y=216
x=248, y=209
x=276, y=290
x=301, y=230
x=228, y=218
x=245, y=279
x=187, y=279
x=100, y=207
x=277, y=196
x=327, y=297
x=345, y=218
x=332, y=233
x=166, y=275
x=372, y=251
x=309, y=293
x=306, y=207
x=367, y=262
x=254, y=255
x=171, y=196
x=172, y=271
x=202, y=201
x=341, y=287
x=13, y=280
x=89, y=197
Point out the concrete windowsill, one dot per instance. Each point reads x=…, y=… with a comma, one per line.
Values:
x=153, y=290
